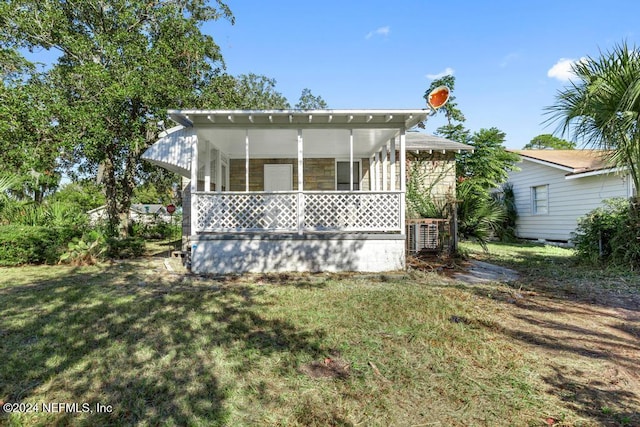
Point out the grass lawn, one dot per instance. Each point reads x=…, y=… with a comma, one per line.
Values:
x=418, y=348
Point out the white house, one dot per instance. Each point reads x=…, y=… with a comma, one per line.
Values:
x=291, y=190
x=553, y=188
x=138, y=212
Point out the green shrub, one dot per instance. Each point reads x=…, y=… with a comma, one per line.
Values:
x=24, y=244
x=421, y=202
x=610, y=235
x=157, y=229
x=54, y=214
x=506, y=229
x=84, y=252
x=479, y=215
x=128, y=247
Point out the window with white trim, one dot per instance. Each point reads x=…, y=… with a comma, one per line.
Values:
x=540, y=200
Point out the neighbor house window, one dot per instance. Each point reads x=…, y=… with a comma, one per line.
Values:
x=342, y=175
x=631, y=187
x=540, y=199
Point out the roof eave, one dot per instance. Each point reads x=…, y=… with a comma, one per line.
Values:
x=306, y=118
x=546, y=163
x=596, y=172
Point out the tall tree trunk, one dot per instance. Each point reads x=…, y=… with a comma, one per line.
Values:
x=111, y=190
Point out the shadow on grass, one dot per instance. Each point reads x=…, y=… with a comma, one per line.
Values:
x=159, y=352
x=593, y=355
x=595, y=400
x=576, y=316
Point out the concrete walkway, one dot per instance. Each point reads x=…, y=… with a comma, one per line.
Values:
x=483, y=272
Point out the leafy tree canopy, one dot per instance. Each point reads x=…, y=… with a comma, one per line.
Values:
x=122, y=64
x=549, y=142
x=308, y=101
x=488, y=165
x=85, y=195
x=29, y=139
x=254, y=91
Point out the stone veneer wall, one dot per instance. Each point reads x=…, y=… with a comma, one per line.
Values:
x=319, y=174
x=365, y=181
x=437, y=167
x=256, y=173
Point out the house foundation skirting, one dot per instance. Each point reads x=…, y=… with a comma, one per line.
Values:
x=247, y=253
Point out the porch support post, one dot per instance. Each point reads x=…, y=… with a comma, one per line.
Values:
x=300, y=182
x=207, y=167
x=385, y=163
x=350, y=159
x=194, y=183
x=376, y=161
x=392, y=154
x=219, y=172
x=403, y=179
x=246, y=161
x=372, y=173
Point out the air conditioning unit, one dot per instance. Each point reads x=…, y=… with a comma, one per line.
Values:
x=423, y=235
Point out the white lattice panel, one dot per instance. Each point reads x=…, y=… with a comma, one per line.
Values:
x=322, y=211
x=352, y=211
x=247, y=211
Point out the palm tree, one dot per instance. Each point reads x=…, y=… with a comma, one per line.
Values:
x=602, y=107
x=7, y=182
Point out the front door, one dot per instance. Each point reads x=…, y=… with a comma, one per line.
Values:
x=278, y=177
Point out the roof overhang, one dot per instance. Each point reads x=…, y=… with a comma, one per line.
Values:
x=546, y=163
x=419, y=142
x=296, y=119
x=604, y=171
x=572, y=173
x=273, y=133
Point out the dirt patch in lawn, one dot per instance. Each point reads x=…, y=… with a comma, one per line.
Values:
x=333, y=367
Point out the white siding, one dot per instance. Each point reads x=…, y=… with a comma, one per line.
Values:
x=173, y=151
x=569, y=199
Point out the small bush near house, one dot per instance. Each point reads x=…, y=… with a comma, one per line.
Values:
x=128, y=247
x=23, y=244
x=84, y=251
x=55, y=214
x=157, y=229
x=610, y=235
x=506, y=229
x=479, y=215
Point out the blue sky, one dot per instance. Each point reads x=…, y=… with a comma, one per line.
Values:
x=509, y=58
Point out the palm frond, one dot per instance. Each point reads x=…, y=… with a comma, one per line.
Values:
x=601, y=107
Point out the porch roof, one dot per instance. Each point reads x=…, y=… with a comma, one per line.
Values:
x=273, y=133
x=418, y=141
x=299, y=119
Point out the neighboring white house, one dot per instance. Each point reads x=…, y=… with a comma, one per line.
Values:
x=292, y=190
x=553, y=188
x=138, y=212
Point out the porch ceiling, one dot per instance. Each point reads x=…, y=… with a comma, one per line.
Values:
x=274, y=133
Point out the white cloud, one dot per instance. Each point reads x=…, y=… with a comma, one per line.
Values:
x=508, y=59
x=382, y=31
x=446, y=72
x=561, y=70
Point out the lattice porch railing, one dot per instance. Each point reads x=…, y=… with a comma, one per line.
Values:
x=246, y=211
x=316, y=211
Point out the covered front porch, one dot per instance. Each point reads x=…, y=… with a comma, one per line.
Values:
x=319, y=190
